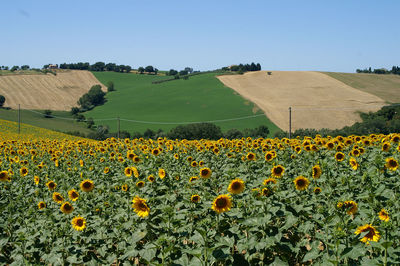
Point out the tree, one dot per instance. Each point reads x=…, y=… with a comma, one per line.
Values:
x=149, y=69
x=141, y=70
x=47, y=113
x=258, y=67
x=110, y=86
x=74, y=110
x=183, y=72
x=172, y=72
x=14, y=68
x=94, y=97
x=25, y=67
x=155, y=71
x=128, y=69
x=2, y=100
x=188, y=69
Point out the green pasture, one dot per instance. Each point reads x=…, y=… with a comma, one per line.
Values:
x=200, y=98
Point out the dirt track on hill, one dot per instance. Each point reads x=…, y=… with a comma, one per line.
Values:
x=317, y=100
x=60, y=92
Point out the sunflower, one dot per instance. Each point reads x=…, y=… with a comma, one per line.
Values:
x=193, y=163
x=36, y=180
x=236, y=186
x=189, y=158
x=140, y=184
x=269, y=181
x=201, y=163
x=135, y=172
x=176, y=156
x=106, y=170
x=384, y=215
x=128, y=171
x=66, y=207
x=339, y=156
x=51, y=185
x=151, y=178
x=156, y=151
x=386, y=146
x=136, y=159
x=4, y=176
x=317, y=190
x=251, y=156
x=301, y=183
x=222, y=203
x=193, y=178
x=23, y=171
x=316, y=171
x=368, y=232
x=41, y=205
x=391, y=164
x=161, y=173
x=266, y=191
x=87, y=185
x=351, y=207
x=139, y=205
x=195, y=198
x=277, y=171
x=205, y=172
x=57, y=197
x=269, y=156
x=73, y=195
x=353, y=163
x=124, y=187
x=78, y=223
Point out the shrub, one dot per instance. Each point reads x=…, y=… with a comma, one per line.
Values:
x=2, y=100
x=47, y=113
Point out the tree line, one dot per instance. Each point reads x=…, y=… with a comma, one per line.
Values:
x=98, y=66
x=395, y=70
x=243, y=67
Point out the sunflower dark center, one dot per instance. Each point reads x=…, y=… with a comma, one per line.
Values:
x=301, y=182
x=278, y=170
x=141, y=206
x=79, y=222
x=269, y=156
x=370, y=233
x=236, y=185
x=87, y=185
x=221, y=203
x=74, y=195
x=67, y=207
x=204, y=172
x=392, y=163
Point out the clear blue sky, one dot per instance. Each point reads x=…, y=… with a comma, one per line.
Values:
x=203, y=34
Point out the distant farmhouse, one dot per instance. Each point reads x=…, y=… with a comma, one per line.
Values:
x=51, y=66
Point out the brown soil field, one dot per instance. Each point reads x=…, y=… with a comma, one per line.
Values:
x=60, y=92
x=317, y=100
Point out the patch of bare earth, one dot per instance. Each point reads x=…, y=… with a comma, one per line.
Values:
x=60, y=92
x=317, y=100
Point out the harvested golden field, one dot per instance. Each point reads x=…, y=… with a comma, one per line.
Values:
x=317, y=100
x=55, y=92
x=386, y=87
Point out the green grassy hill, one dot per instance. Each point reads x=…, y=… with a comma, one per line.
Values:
x=63, y=123
x=200, y=98
x=387, y=87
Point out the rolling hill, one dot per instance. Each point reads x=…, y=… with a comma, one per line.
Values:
x=54, y=92
x=200, y=98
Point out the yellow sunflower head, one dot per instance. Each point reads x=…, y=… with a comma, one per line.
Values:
x=57, y=197
x=139, y=205
x=268, y=181
x=128, y=171
x=66, y=207
x=36, y=179
x=353, y=163
x=195, y=198
x=73, y=195
x=384, y=215
x=106, y=170
x=140, y=184
x=316, y=171
x=205, y=172
x=161, y=173
x=151, y=178
x=236, y=186
x=193, y=164
x=251, y=156
x=222, y=203
x=301, y=183
x=78, y=223
x=124, y=187
x=317, y=190
x=368, y=232
x=391, y=164
x=4, y=176
x=87, y=185
x=156, y=152
x=23, y=171
x=277, y=171
x=41, y=205
x=350, y=206
x=386, y=146
x=339, y=156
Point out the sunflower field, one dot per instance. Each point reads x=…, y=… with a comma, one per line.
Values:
x=246, y=201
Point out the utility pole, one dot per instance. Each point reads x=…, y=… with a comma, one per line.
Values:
x=290, y=122
x=19, y=118
x=118, y=127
